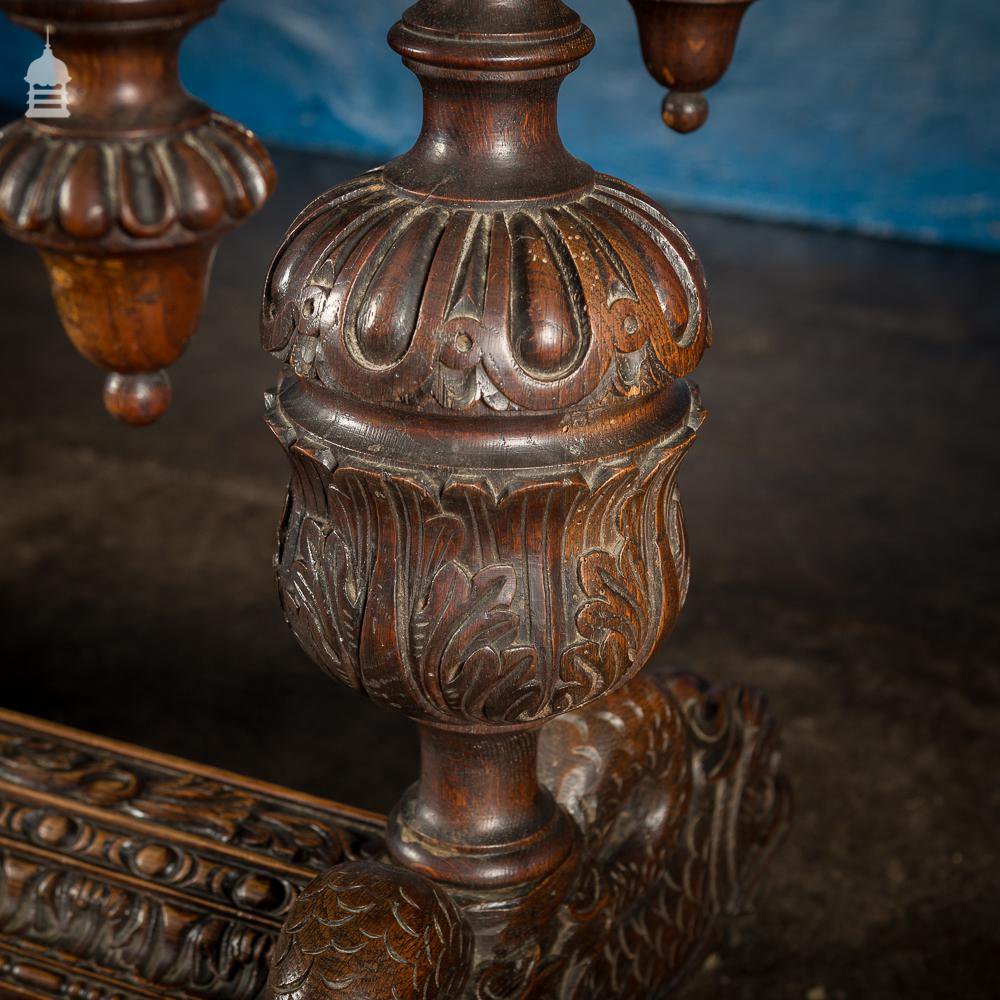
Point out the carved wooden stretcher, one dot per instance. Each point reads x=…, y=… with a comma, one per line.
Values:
x=132, y=874
x=485, y=405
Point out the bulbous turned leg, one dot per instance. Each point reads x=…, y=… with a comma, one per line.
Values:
x=126, y=195
x=485, y=408
x=687, y=46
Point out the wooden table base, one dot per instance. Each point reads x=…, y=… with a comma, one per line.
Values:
x=126, y=873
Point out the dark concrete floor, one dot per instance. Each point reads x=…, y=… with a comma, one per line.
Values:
x=843, y=514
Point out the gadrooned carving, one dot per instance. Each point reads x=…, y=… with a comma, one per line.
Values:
x=533, y=307
x=156, y=191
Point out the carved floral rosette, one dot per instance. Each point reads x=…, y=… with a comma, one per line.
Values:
x=522, y=575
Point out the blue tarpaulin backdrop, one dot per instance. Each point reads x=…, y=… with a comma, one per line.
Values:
x=876, y=115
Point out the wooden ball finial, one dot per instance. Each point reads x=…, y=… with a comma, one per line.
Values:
x=687, y=46
x=137, y=399
x=684, y=112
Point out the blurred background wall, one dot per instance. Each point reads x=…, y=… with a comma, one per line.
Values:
x=881, y=116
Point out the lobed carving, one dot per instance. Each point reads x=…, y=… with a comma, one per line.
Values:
x=61, y=190
x=497, y=307
x=369, y=931
x=482, y=599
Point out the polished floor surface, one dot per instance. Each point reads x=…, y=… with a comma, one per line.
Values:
x=843, y=506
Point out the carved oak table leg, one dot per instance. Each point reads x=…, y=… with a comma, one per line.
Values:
x=485, y=406
x=127, y=196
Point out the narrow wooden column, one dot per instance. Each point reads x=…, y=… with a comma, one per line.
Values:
x=127, y=194
x=478, y=817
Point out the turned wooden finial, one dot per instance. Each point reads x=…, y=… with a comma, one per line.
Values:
x=687, y=46
x=125, y=184
x=137, y=399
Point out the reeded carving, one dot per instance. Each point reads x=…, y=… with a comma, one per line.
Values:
x=368, y=932
x=523, y=307
x=61, y=191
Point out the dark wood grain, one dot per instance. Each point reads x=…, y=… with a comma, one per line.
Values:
x=134, y=873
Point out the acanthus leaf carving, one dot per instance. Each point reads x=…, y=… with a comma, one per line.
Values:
x=458, y=600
